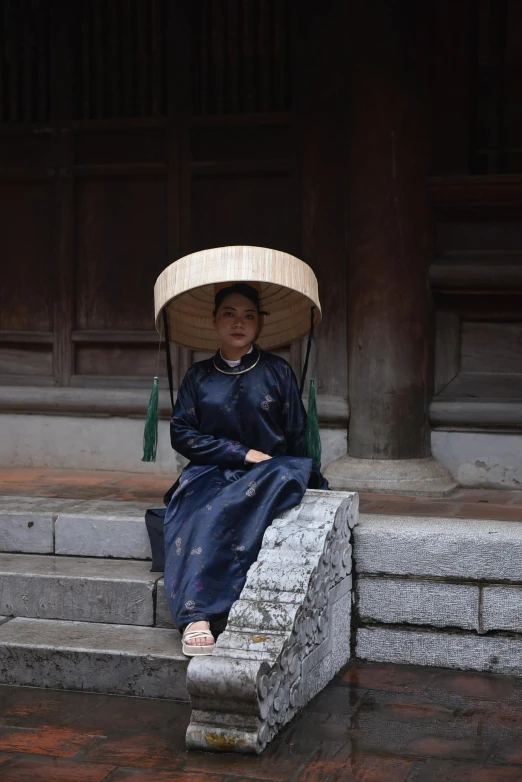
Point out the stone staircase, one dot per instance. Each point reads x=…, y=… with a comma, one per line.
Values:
x=440, y=591
x=81, y=610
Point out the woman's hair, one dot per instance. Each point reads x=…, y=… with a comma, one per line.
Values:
x=244, y=289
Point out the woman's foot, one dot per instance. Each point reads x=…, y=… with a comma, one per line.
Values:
x=197, y=639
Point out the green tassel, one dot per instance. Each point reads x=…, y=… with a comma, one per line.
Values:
x=313, y=439
x=150, y=434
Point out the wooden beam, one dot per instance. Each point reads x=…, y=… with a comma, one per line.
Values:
x=132, y=402
x=246, y=167
x=119, y=169
x=133, y=337
x=26, y=174
x=488, y=197
x=477, y=416
x=30, y=337
x=477, y=271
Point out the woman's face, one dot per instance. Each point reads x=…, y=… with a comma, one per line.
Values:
x=237, y=322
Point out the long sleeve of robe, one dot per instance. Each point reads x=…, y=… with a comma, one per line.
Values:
x=217, y=517
x=187, y=439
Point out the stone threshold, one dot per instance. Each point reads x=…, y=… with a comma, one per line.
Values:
x=33, y=482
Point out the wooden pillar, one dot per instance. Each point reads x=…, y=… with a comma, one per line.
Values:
x=390, y=316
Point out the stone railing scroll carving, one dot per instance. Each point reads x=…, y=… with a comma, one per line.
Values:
x=287, y=635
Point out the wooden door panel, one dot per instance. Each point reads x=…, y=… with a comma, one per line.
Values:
x=492, y=347
x=121, y=246
x=26, y=359
x=120, y=146
x=120, y=360
x=245, y=210
x=27, y=246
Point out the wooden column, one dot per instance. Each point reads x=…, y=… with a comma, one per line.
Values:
x=390, y=315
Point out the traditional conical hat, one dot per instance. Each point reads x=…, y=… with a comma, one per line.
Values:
x=186, y=289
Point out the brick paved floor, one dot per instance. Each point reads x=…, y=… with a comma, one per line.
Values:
x=98, y=484
x=376, y=723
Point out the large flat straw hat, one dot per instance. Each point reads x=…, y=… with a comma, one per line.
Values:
x=186, y=289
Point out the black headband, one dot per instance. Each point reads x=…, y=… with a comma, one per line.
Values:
x=244, y=289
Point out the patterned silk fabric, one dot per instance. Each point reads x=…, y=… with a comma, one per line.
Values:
x=216, y=518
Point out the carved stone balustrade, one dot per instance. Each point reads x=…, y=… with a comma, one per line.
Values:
x=287, y=635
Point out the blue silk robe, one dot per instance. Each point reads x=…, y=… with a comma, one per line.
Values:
x=217, y=516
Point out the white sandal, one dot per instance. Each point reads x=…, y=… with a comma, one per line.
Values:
x=191, y=650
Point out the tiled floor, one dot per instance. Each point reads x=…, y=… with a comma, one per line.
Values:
x=376, y=723
x=84, y=484
x=463, y=503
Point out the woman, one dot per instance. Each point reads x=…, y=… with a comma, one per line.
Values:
x=240, y=421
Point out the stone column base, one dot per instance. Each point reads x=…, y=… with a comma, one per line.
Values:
x=395, y=476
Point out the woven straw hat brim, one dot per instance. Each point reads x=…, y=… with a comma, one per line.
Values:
x=186, y=289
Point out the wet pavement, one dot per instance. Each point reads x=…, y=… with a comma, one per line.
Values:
x=97, y=484
x=374, y=723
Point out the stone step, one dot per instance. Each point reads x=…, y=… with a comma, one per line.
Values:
x=78, y=589
x=105, y=658
x=465, y=651
x=439, y=591
x=284, y=641
x=470, y=549
x=79, y=528
x=103, y=528
x=163, y=615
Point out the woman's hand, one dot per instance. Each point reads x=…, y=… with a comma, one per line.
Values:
x=254, y=457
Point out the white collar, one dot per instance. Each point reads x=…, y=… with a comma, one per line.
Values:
x=236, y=362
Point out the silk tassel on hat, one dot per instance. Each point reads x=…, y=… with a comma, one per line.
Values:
x=150, y=432
x=313, y=436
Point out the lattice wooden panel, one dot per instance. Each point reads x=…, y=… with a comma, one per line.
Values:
x=120, y=59
x=24, y=60
x=242, y=56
